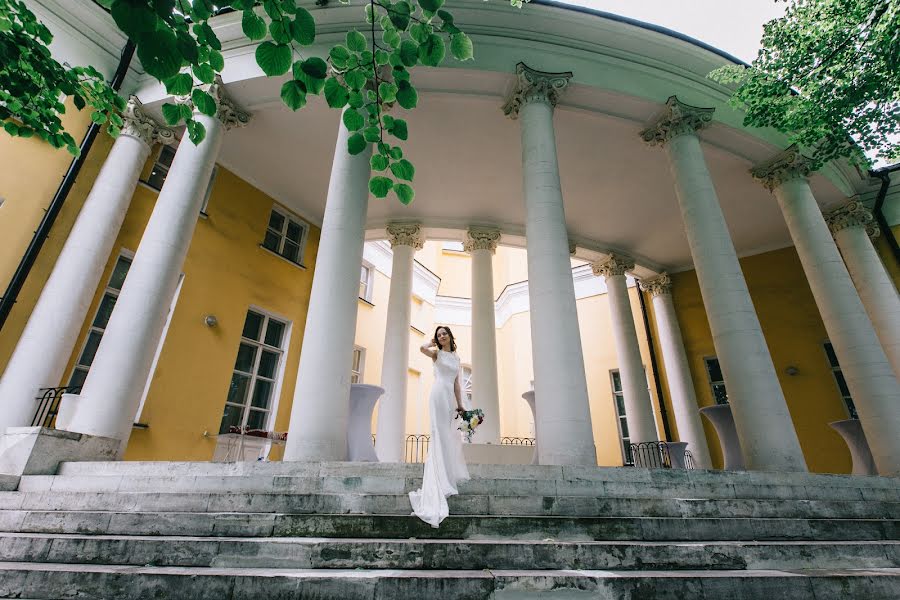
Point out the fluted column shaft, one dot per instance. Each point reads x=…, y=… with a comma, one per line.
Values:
x=481, y=243
x=563, y=415
x=318, y=427
x=852, y=228
x=872, y=384
x=678, y=374
x=405, y=238
x=636, y=395
x=46, y=344
x=761, y=417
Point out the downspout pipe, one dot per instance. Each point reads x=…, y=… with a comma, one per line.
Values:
x=40, y=235
x=667, y=430
x=884, y=174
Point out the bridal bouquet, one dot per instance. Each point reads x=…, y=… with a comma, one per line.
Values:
x=470, y=420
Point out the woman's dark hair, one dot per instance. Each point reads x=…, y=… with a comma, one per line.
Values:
x=450, y=333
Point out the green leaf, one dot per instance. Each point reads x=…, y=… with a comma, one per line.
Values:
x=293, y=94
x=196, y=131
x=216, y=60
x=380, y=186
x=335, y=94
x=399, y=15
x=77, y=100
x=253, y=25
x=133, y=19
x=403, y=169
x=98, y=117
x=432, y=51
x=202, y=10
x=355, y=80
x=431, y=6
x=409, y=53
x=355, y=100
x=209, y=35
x=281, y=31
x=461, y=47
x=180, y=85
x=420, y=32
x=171, y=113
x=407, y=97
x=339, y=56
x=159, y=55
x=372, y=134
x=404, y=193
x=446, y=17
x=204, y=102
x=204, y=73
x=356, y=41
x=381, y=57
x=303, y=27
x=379, y=162
x=272, y=8
x=396, y=153
x=11, y=128
x=391, y=38
x=312, y=73
x=187, y=46
x=273, y=59
x=315, y=67
x=356, y=143
x=387, y=91
x=353, y=121
x=399, y=129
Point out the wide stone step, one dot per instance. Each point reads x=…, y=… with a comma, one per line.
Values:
x=36, y=580
x=454, y=527
x=465, y=504
x=323, y=553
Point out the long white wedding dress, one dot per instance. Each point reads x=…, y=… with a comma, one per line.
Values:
x=444, y=464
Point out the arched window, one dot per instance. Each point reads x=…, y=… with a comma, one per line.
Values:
x=466, y=384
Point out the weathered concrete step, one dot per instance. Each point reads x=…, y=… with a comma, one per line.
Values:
x=454, y=527
x=321, y=553
x=376, y=484
x=126, y=583
x=398, y=504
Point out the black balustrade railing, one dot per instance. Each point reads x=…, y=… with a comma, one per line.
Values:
x=656, y=455
x=417, y=447
x=48, y=404
x=517, y=441
x=688, y=460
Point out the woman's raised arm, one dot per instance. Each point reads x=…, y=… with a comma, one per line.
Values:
x=429, y=349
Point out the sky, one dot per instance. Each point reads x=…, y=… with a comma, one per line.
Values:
x=734, y=26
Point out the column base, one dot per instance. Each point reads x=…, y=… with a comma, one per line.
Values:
x=720, y=416
x=852, y=432
x=39, y=450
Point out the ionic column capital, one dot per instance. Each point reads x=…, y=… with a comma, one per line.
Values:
x=786, y=165
x=138, y=124
x=229, y=113
x=852, y=214
x=535, y=86
x=657, y=286
x=406, y=234
x=481, y=238
x=615, y=264
x=676, y=119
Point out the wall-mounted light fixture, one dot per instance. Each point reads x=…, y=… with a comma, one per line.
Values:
x=791, y=370
x=211, y=320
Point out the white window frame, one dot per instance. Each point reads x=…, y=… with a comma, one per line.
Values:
x=205, y=205
x=158, y=165
x=254, y=376
x=624, y=442
x=465, y=385
x=713, y=384
x=370, y=280
x=123, y=253
x=836, y=370
x=358, y=375
x=289, y=217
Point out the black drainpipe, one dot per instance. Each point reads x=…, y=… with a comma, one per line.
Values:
x=884, y=174
x=40, y=235
x=653, y=365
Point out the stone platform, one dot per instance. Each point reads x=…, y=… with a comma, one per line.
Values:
x=343, y=530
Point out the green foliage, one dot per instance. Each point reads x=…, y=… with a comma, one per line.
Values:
x=828, y=76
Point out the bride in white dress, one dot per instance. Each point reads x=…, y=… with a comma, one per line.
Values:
x=444, y=464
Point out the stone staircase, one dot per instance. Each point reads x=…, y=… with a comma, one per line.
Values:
x=343, y=530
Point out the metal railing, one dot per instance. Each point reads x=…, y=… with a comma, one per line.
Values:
x=655, y=455
x=688, y=460
x=417, y=447
x=517, y=441
x=48, y=404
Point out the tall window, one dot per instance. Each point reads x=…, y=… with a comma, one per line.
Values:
x=357, y=365
x=365, y=282
x=716, y=380
x=98, y=325
x=839, y=379
x=160, y=171
x=619, y=399
x=285, y=235
x=466, y=386
x=256, y=370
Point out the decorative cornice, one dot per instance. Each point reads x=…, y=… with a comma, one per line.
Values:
x=138, y=124
x=657, y=286
x=229, y=113
x=406, y=234
x=535, y=86
x=616, y=264
x=852, y=214
x=481, y=238
x=784, y=166
x=676, y=119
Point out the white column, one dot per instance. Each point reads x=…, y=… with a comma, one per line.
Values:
x=678, y=374
x=635, y=393
x=761, y=417
x=112, y=391
x=869, y=376
x=405, y=238
x=852, y=226
x=563, y=415
x=481, y=243
x=318, y=427
x=45, y=346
